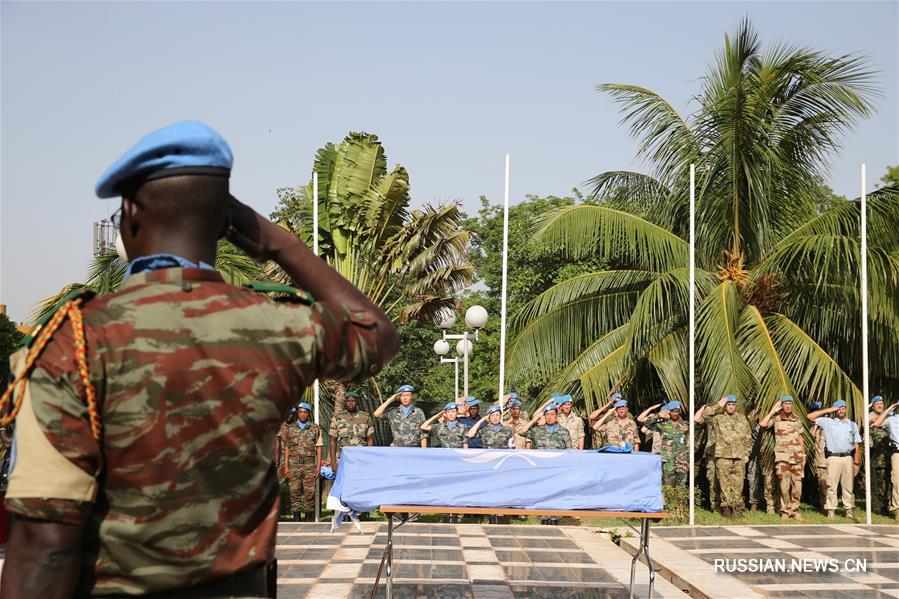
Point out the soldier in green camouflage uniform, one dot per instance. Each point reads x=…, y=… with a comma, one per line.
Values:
x=301, y=446
x=405, y=420
x=450, y=432
x=789, y=454
x=733, y=442
x=176, y=492
x=349, y=428
x=494, y=434
x=673, y=447
x=880, y=460
x=708, y=459
x=621, y=429
x=550, y=435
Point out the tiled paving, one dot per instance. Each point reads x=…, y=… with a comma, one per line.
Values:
x=688, y=556
x=463, y=561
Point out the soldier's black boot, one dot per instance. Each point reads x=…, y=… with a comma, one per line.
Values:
x=297, y=517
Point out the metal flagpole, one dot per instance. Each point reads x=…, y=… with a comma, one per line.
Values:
x=465, y=365
x=864, y=293
x=502, y=316
x=315, y=388
x=691, y=354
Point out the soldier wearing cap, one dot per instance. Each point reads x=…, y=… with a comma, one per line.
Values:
x=708, y=456
x=301, y=448
x=515, y=418
x=550, y=434
x=469, y=418
x=789, y=454
x=621, y=429
x=820, y=460
x=571, y=421
x=673, y=446
x=841, y=448
x=733, y=442
x=405, y=420
x=450, y=431
x=889, y=421
x=350, y=427
x=157, y=406
x=880, y=459
x=494, y=434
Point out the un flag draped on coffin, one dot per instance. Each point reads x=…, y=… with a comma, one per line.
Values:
x=369, y=477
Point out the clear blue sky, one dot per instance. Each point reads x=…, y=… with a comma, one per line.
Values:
x=449, y=88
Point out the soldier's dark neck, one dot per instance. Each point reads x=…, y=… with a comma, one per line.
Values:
x=188, y=247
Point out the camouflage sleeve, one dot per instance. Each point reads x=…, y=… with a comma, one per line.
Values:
x=346, y=343
x=54, y=477
x=711, y=411
x=332, y=428
x=370, y=429
x=319, y=441
x=652, y=423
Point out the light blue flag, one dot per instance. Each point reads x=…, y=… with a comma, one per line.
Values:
x=369, y=477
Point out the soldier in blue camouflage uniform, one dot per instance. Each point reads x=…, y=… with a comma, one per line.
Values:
x=405, y=420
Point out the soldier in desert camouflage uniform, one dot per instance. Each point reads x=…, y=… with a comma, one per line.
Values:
x=516, y=419
x=789, y=454
x=405, y=420
x=160, y=436
x=571, y=421
x=673, y=446
x=349, y=427
x=301, y=446
x=733, y=442
x=621, y=428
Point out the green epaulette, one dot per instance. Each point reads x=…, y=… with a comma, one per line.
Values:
x=285, y=293
x=83, y=294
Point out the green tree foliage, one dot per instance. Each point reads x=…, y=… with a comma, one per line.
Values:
x=9, y=338
x=776, y=283
x=891, y=177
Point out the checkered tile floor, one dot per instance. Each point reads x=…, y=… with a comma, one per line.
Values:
x=877, y=545
x=449, y=561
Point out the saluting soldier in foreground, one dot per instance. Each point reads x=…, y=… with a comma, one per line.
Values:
x=405, y=420
x=571, y=421
x=621, y=429
x=673, y=433
x=841, y=447
x=301, y=447
x=516, y=419
x=349, y=428
x=733, y=442
x=450, y=432
x=147, y=418
x=789, y=454
x=551, y=434
x=492, y=433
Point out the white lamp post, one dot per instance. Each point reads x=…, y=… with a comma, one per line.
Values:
x=475, y=319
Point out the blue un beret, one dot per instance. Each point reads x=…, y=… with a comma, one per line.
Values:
x=404, y=388
x=493, y=409
x=450, y=406
x=552, y=406
x=186, y=148
x=515, y=403
x=472, y=402
x=671, y=405
x=786, y=399
x=815, y=405
x=731, y=398
x=563, y=399
x=615, y=395
x=621, y=403
x=875, y=399
x=304, y=406
x=839, y=404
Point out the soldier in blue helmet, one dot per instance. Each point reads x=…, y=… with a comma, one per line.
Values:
x=405, y=420
x=841, y=448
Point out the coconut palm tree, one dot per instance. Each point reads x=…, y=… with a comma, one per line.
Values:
x=777, y=287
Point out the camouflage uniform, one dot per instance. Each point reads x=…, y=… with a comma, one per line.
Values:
x=541, y=437
x=495, y=438
x=617, y=432
x=880, y=466
x=193, y=377
x=350, y=430
x=516, y=425
x=452, y=437
x=789, y=460
x=575, y=426
x=406, y=428
x=672, y=448
x=820, y=464
x=710, y=471
x=299, y=448
x=733, y=443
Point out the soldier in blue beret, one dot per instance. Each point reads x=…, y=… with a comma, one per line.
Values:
x=469, y=418
x=405, y=420
x=843, y=454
